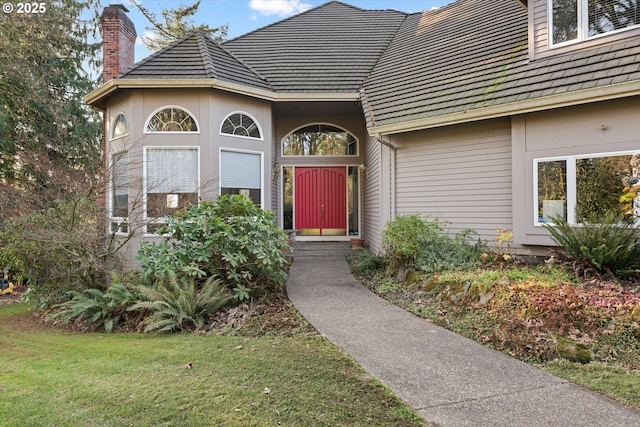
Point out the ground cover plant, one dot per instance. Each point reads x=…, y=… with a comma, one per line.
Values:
x=585, y=328
x=56, y=377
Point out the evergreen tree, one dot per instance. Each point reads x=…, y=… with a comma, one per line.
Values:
x=49, y=139
x=177, y=24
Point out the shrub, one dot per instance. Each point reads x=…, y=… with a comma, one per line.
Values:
x=57, y=250
x=98, y=310
x=231, y=239
x=606, y=243
x=414, y=242
x=443, y=253
x=178, y=305
x=404, y=238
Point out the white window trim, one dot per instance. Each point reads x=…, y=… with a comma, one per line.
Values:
x=242, y=136
x=236, y=150
x=583, y=26
x=112, y=218
x=113, y=123
x=571, y=181
x=160, y=220
x=164, y=107
x=337, y=156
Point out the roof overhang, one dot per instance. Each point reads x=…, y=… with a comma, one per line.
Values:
x=97, y=98
x=550, y=102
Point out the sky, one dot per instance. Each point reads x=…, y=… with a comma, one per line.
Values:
x=243, y=16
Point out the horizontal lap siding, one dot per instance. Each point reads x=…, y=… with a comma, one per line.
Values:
x=372, y=198
x=461, y=175
x=540, y=25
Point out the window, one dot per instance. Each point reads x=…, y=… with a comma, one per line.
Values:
x=574, y=20
x=241, y=173
x=319, y=140
x=120, y=127
x=580, y=187
x=119, y=192
x=171, y=181
x=171, y=119
x=241, y=124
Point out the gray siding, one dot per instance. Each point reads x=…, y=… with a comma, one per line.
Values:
x=540, y=26
x=372, y=198
x=461, y=175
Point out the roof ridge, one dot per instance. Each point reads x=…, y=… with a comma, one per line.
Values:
x=205, y=55
x=154, y=55
x=294, y=16
x=386, y=47
x=244, y=64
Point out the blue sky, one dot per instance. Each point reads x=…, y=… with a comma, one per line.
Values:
x=243, y=16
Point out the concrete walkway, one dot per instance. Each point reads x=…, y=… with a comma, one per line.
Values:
x=449, y=380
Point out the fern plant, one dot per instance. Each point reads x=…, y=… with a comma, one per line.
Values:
x=98, y=310
x=181, y=305
x=607, y=243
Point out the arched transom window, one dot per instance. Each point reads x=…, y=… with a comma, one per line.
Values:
x=171, y=119
x=241, y=124
x=120, y=127
x=319, y=140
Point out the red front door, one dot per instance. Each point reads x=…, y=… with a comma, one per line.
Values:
x=321, y=201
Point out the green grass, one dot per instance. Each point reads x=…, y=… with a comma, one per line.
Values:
x=619, y=383
x=51, y=377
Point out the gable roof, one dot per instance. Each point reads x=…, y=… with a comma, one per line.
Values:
x=331, y=48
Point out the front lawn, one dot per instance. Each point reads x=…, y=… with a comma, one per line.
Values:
x=55, y=377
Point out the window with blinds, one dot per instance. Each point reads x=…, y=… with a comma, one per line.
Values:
x=241, y=173
x=575, y=20
x=171, y=179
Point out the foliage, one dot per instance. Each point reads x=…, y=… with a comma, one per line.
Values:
x=368, y=263
x=404, y=238
x=179, y=305
x=98, y=310
x=443, y=253
x=177, y=24
x=60, y=249
x=412, y=241
x=599, y=186
x=605, y=243
x=230, y=238
x=50, y=141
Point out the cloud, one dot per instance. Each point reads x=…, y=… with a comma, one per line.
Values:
x=279, y=7
x=146, y=35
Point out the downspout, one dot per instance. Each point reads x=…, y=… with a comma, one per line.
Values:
x=392, y=174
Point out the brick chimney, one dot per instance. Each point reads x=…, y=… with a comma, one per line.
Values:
x=118, y=41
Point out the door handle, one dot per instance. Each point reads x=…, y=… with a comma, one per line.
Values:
x=322, y=211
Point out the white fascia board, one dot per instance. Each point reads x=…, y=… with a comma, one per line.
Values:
x=95, y=96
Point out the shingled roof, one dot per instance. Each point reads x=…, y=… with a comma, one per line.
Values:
x=465, y=61
x=473, y=55
x=196, y=56
x=331, y=48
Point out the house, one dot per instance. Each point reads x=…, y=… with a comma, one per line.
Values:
x=487, y=114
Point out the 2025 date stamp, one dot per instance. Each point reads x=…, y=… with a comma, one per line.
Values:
x=27, y=8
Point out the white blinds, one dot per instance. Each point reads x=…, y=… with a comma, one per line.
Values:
x=121, y=173
x=172, y=170
x=240, y=170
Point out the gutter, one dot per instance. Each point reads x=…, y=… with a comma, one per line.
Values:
x=392, y=175
x=97, y=97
